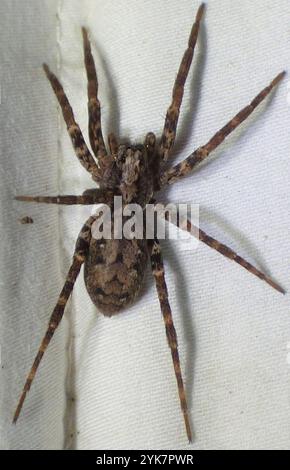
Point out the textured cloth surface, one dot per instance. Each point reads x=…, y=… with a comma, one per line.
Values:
x=30, y=263
x=109, y=383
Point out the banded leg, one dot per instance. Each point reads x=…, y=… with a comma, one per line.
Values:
x=96, y=196
x=227, y=252
x=171, y=120
x=81, y=149
x=81, y=249
x=113, y=144
x=186, y=166
x=94, y=109
x=159, y=275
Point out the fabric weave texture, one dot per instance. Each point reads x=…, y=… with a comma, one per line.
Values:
x=109, y=383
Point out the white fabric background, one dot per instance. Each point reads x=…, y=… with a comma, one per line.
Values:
x=109, y=383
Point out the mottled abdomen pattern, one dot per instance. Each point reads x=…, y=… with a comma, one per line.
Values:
x=114, y=270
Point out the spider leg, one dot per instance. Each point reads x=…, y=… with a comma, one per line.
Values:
x=94, y=109
x=79, y=144
x=186, y=166
x=171, y=120
x=227, y=252
x=159, y=275
x=113, y=143
x=80, y=253
x=65, y=200
x=97, y=196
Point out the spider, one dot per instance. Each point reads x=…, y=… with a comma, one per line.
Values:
x=114, y=269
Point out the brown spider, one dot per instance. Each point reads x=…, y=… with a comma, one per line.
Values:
x=114, y=269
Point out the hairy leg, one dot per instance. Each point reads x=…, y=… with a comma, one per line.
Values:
x=113, y=144
x=227, y=252
x=171, y=120
x=186, y=166
x=81, y=149
x=96, y=196
x=80, y=253
x=159, y=275
x=94, y=109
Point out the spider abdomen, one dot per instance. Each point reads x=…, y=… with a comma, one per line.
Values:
x=114, y=271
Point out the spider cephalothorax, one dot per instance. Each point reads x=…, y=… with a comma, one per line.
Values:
x=114, y=268
x=136, y=179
